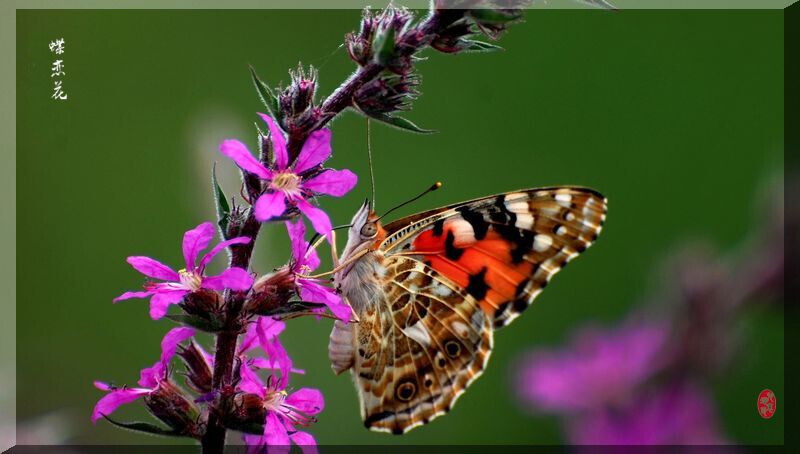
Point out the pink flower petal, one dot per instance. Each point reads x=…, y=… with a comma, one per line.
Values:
x=306, y=442
x=194, y=241
x=101, y=385
x=111, y=401
x=278, y=358
x=169, y=345
x=267, y=325
x=254, y=441
x=153, y=268
x=307, y=400
x=332, y=182
x=239, y=153
x=160, y=302
x=278, y=142
x=150, y=376
x=236, y=279
x=315, y=151
x=319, y=219
x=275, y=432
x=301, y=252
x=129, y=295
x=264, y=363
x=316, y=293
x=216, y=250
x=269, y=205
x=250, y=382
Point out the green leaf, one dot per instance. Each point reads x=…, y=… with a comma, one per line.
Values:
x=265, y=93
x=209, y=326
x=223, y=209
x=145, y=427
x=480, y=46
x=399, y=122
x=383, y=43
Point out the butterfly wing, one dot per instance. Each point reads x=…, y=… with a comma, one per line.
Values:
x=452, y=276
x=503, y=250
x=417, y=353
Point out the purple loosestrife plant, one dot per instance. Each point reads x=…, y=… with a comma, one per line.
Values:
x=243, y=383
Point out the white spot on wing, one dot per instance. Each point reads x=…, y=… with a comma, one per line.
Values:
x=461, y=329
x=518, y=207
x=442, y=290
x=542, y=242
x=564, y=199
x=463, y=234
x=418, y=332
x=524, y=221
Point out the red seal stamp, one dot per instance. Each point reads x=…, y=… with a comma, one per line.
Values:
x=766, y=403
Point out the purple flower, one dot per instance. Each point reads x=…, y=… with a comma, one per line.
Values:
x=296, y=183
x=679, y=414
x=306, y=260
x=191, y=278
x=150, y=378
x=263, y=333
x=600, y=367
x=284, y=411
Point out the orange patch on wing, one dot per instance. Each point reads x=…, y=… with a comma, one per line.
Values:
x=493, y=253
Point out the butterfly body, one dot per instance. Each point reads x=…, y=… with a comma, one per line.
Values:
x=430, y=289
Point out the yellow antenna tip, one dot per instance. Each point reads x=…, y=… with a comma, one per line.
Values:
x=436, y=185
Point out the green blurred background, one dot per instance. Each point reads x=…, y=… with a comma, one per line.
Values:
x=677, y=116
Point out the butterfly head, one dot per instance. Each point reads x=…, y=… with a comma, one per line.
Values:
x=366, y=229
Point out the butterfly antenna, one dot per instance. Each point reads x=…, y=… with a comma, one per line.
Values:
x=371, y=170
x=435, y=186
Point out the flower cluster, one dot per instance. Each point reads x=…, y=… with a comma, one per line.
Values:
x=267, y=412
x=646, y=380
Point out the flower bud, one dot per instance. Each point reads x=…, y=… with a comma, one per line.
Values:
x=299, y=95
x=203, y=303
x=450, y=40
x=359, y=45
x=387, y=94
x=247, y=410
x=199, y=374
x=169, y=404
x=272, y=291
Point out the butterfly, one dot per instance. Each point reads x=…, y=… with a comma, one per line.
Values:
x=430, y=289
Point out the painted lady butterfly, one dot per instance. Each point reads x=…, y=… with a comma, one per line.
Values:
x=430, y=289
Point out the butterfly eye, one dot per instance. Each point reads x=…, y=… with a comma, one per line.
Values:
x=369, y=230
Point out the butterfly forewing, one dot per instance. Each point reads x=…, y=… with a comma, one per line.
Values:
x=503, y=249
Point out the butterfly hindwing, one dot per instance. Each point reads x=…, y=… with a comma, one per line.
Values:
x=439, y=344
x=503, y=250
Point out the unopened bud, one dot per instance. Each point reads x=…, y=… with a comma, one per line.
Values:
x=386, y=95
x=199, y=374
x=272, y=291
x=203, y=303
x=169, y=404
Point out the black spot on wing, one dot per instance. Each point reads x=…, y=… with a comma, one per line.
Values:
x=475, y=219
x=477, y=286
x=450, y=251
x=438, y=227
